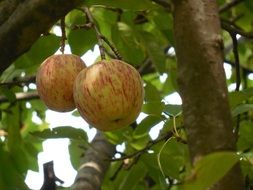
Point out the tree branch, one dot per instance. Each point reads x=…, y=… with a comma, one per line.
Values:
x=25, y=23
x=229, y=5
x=94, y=164
x=21, y=96
x=202, y=84
x=164, y=3
x=98, y=35
x=232, y=29
x=6, y=9
x=21, y=81
x=146, y=148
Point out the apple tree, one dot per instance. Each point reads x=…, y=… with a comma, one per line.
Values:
x=178, y=47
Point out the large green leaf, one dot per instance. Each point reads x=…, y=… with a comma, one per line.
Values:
x=245, y=140
x=75, y=152
x=41, y=49
x=209, y=169
x=10, y=177
x=101, y=15
x=75, y=17
x=62, y=132
x=8, y=93
x=133, y=177
x=125, y=38
x=146, y=124
x=241, y=109
x=151, y=92
x=155, y=51
x=153, y=107
x=150, y=160
x=172, y=158
x=173, y=109
x=81, y=41
x=238, y=97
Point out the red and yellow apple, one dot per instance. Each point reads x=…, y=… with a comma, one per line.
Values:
x=109, y=94
x=55, y=78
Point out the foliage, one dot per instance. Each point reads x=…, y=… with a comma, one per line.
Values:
x=142, y=33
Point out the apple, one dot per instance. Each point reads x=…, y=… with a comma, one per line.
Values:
x=109, y=94
x=55, y=78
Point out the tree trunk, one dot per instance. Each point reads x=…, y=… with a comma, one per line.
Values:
x=94, y=164
x=22, y=23
x=202, y=84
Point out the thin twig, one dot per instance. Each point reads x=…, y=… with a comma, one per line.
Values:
x=167, y=6
x=113, y=48
x=244, y=69
x=19, y=81
x=98, y=34
x=237, y=61
x=82, y=26
x=229, y=5
x=230, y=27
x=238, y=74
x=149, y=145
x=63, y=35
x=21, y=96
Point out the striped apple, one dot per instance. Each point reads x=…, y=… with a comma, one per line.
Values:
x=109, y=94
x=55, y=78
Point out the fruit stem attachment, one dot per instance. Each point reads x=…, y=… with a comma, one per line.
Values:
x=63, y=35
x=98, y=34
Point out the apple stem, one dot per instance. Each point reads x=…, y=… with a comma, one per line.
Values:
x=98, y=34
x=63, y=35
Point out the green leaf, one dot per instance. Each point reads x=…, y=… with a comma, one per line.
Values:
x=119, y=136
x=133, y=177
x=245, y=140
x=13, y=123
x=31, y=153
x=150, y=160
x=238, y=97
x=145, y=125
x=153, y=108
x=209, y=169
x=126, y=41
x=81, y=41
x=101, y=16
x=44, y=47
x=75, y=113
x=8, y=93
x=155, y=51
x=151, y=92
x=249, y=4
x=172, y=158
x=173, y=109
x=62, y=132
x=75, y=17
x=75, y=153
x=10, y=177
x=241, y=109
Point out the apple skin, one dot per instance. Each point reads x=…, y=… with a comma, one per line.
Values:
x=109, y=94
x=55, y=78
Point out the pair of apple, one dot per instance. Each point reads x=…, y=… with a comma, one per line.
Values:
x=108, y=94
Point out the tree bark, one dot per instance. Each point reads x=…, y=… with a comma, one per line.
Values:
x=94, y=164
x=202, y=84
x=23, y=21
